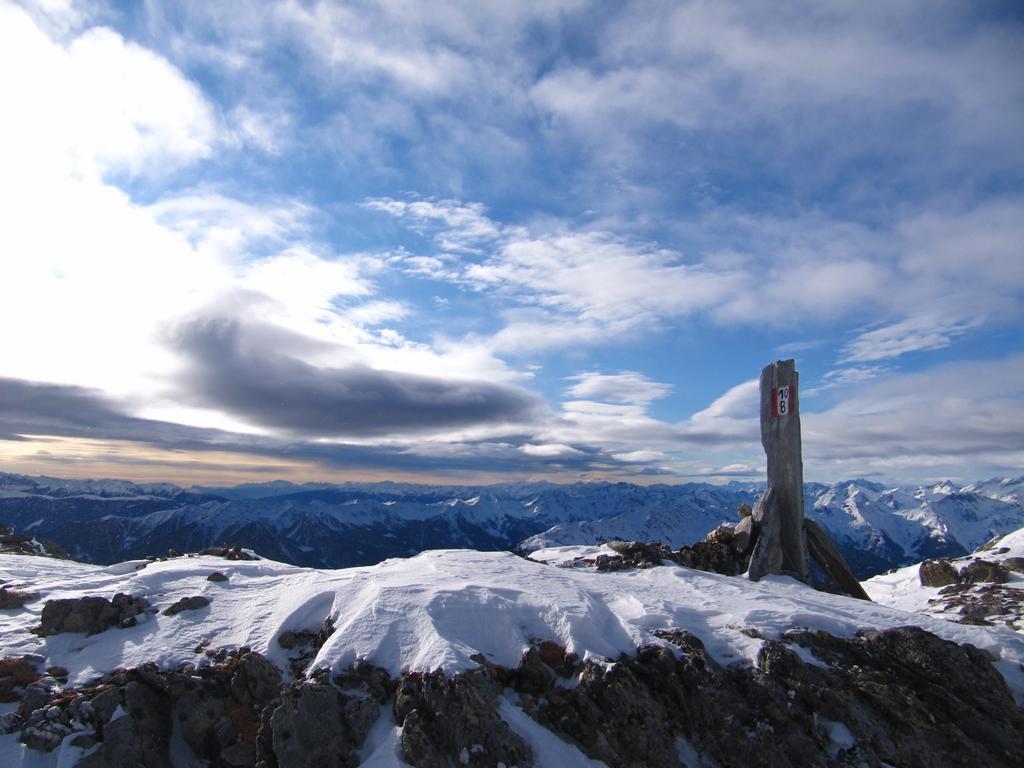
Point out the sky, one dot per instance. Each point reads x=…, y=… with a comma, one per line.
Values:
x=473, y=242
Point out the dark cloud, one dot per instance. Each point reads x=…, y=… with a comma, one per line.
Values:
x=239, y=368
x=30, y=408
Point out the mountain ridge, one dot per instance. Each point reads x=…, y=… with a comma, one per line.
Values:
x=877, y=527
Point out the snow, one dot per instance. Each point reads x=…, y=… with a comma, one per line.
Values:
x=438, y=609
x=902, y=588
x=383, y=746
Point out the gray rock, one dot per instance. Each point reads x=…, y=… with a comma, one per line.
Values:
x=454, y=720
x=907, y=697
x=986, y=571
x=742, y=534
x=767, y=556
x=317, y=725
x=239, y=754
x=11, y=599
x=217, y=576
x=1015, y=564
x=192, y=603
x=36, y=696
x=256, y=681
x=90, y=615
x=937, y=573
x=141, y=737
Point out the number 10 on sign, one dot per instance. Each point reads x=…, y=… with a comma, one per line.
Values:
x=781, y=402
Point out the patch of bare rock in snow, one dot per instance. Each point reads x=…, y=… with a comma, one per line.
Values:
x=985, y=588
x=465, y=658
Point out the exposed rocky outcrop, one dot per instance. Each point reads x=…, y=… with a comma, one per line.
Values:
x=305, y=643
x=12, y=543
x=937, y=573
x=979, y=570
x=901, y=697
x=444, y=718
x=90, y=615
x=905, y=697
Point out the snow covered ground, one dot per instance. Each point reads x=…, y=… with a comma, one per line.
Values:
x=438, y=609
x=902, y=588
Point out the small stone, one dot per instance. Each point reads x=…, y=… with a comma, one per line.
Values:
x=11, y=599
x=187, y=604
x=216, y=576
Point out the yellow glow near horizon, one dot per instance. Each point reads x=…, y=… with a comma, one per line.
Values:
x=88, y=458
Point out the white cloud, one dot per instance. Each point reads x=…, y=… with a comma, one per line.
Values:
x=94, y=105
x=960, y=414
x=915, y=334
x=842, y=377
x=640, y=457
x=550, y=450
x=739, y=402
x=623, y=387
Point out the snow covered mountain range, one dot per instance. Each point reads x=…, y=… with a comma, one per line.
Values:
x=323, y=525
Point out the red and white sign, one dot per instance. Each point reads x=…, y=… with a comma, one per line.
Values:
x=781, y=401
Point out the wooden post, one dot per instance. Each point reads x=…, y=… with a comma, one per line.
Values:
x=781, y=546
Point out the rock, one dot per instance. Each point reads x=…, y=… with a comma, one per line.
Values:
x=103, y=705
x=638, y=554
x=140, y=735
x=742, y=534
x=16, y=673
x=307, y=643
x=187, y=604
x=36, y=696
x=317, y=725
x=986, y=571
x=937, y=573
x=239, y=754
x=906, y=696
x=84, y=741
x=723, y=534
x=767, y=556
x=1015, y=564
x=217, y=576
x=256, y=681
x=90, y=615
x=743, y=510
x=454, y=721
x=43, y=732
x=11, y=599
x=609, y=563
x=712, y=556
x=228, y=553
x=551, y=653
x=366, y=680
x=533, y=676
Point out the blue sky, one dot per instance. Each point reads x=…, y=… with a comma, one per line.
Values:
x=487, y=241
